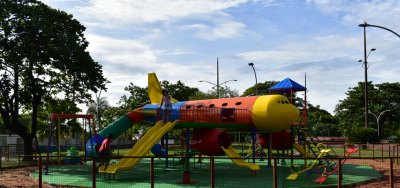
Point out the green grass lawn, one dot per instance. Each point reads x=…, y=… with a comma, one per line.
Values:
x=122, y=152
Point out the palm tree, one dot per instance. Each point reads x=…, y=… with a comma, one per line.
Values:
x=103, y=106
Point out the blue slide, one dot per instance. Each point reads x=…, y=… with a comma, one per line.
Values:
x=157, y=151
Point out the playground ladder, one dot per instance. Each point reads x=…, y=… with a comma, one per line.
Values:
x=309, y=145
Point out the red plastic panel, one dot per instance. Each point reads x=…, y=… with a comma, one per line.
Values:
x=136, y=117
x=209, y=141
x=215, y=115
x=237, y=103
x=277, y=140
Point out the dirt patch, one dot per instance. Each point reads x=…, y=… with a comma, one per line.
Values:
x=382, y=168
x=19, y=177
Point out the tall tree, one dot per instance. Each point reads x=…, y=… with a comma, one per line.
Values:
x=351, y=110
x=263, y=89
x=98, y=110
x=38, y=66
x=224, y=92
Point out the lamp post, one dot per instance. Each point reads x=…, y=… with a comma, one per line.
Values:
x=377, y=119
x=98, y=105
x=216, y=85
x=366, y=81
x=365, y=25
x=252, y=65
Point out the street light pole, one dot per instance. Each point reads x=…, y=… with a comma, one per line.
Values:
x=365, y=24
x=217, y=78
x=216, y=85
x=366, y=78
x=252, y=65
x=377, y=120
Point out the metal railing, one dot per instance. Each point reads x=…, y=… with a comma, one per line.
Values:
x=219, y=172
x=215, y=115
x=208, y=115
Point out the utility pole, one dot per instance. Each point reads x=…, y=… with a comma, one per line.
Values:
x=217, y=78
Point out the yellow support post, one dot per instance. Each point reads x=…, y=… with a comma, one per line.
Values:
x=59, y=123
x=251, y=143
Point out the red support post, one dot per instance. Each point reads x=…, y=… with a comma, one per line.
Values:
x=391, y=173
x=373, y=152
x=40, y=172
x=275, y=174
x=389, y=150
x=340, y=174
x=152, y=172
x=397, y=154
x=1, y=150
x=359, y=150
x=212, y=173
x=94, y=172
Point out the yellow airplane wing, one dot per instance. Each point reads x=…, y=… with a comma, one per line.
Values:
x=154, y=90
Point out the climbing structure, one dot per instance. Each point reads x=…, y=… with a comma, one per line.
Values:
x=311, y=136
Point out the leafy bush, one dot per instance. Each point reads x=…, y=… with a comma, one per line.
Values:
x=328, y=130
x=363, y=135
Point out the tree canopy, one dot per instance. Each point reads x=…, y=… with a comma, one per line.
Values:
x=386, y=96
x=224, y=92
x=51, y=59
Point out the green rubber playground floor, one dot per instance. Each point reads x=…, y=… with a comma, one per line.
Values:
x=227, y=174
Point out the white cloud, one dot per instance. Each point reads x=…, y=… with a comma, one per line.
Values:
x=384, y=13
x=273, y=55
x=222, y=29
x=120, y=12
x=178, y=52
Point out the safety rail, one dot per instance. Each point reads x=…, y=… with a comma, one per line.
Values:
x=208, y=115
x=215, y=115
x=301, y=119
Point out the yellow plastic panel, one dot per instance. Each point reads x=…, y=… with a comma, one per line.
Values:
x=155, y=89
x=141, y=148
x=239, y=162
x=271, y=116
x=301, y=151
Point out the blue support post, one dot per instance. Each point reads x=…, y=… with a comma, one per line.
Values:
x=91, y=140
x=254, y=149
x=48, y=150
x=166, y=150
x=269, y=151
x=85, y=138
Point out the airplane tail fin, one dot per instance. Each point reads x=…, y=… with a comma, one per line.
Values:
x=155, y=89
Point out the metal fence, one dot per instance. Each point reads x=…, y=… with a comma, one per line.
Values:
x=205, y=172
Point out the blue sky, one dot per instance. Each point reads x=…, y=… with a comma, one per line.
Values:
x=181, y=40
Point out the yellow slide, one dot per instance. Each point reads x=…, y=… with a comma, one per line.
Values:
x=239, y=162
x=301, y=151
x=141, y=148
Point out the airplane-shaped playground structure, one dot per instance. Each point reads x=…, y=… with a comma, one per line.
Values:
x=210, y=120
